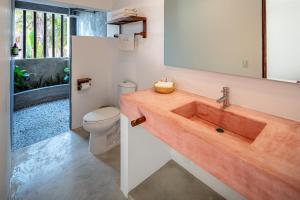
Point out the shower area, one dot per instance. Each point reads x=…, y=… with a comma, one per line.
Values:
x=41, y=70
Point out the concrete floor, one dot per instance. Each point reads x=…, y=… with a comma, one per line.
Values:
x=61, y=168
x=37, y=123
x=172, y=182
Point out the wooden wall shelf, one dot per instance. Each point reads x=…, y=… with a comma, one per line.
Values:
x=128, y=20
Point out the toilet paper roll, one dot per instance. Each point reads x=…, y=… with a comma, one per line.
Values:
x=86, y=86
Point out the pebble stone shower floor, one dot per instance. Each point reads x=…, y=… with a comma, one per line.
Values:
x=37, y=123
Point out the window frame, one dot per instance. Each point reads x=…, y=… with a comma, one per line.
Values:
x=45, y=10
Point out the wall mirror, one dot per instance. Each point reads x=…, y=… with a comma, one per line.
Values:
x=253, y=38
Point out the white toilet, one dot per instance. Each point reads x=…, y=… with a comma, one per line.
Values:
x=103, y=124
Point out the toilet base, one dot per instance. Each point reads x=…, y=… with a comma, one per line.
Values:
x=100, y=143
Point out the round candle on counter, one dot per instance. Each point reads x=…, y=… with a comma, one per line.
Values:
x=163, y=84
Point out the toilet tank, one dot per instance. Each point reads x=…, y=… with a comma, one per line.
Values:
x=127, y=87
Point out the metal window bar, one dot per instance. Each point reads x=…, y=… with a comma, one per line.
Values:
x=53, y=35
x=24, y=33
x=34, y=35
x=45, y=35
x=62, y=36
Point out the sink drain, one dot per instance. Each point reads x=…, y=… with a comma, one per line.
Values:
x=220, y=130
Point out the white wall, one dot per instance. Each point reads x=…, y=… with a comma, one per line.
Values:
x=214, y=35
x=92, y=4
x=146, y=65
x=5, y=35
x=283, y=39
x=91, y=58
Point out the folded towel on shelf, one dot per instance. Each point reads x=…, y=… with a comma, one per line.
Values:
x=124, y=12
x=113, y=17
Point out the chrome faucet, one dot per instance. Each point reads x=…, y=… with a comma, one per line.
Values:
x=225, y=98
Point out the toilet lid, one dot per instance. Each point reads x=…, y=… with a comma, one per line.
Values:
x=101, y=114
x=127, y=84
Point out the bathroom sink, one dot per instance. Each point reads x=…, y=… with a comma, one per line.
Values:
x=221, y=121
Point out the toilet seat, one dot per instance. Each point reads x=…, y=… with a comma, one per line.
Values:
x=101, y=115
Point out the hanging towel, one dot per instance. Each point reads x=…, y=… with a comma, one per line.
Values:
x=127, y=42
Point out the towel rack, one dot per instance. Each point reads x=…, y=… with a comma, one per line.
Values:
x=138, y=121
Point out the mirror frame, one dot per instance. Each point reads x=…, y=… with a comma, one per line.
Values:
x=264, y=41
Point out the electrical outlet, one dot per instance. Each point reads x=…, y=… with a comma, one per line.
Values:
x=245, y=64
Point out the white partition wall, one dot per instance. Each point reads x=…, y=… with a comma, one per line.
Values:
x=141, y=155
x=91, y=58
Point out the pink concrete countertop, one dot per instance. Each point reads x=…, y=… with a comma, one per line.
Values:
x=267, y=168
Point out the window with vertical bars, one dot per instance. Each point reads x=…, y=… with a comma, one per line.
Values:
x=41, y=34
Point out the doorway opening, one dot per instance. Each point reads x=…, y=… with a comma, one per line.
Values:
x=41, y=73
